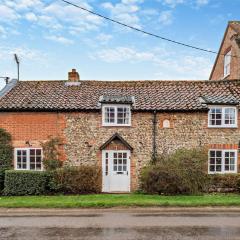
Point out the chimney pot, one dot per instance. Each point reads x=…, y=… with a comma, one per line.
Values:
x=73, y=76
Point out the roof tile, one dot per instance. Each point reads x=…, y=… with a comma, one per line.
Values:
x=148, y=95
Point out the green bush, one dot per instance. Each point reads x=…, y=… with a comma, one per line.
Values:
x=76, y=180
x=6, y=149
x=25, y=182
x=182, y=172
x=224, y=183
x=51, y=158
x=6, y=155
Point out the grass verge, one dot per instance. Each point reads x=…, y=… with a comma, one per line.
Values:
x=119, y=200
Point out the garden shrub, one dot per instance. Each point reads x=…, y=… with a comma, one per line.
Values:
x=76, y=180
x=182, y=172
x=6, y=154
x=25, y=182
x=224, y=183
x=51, y=158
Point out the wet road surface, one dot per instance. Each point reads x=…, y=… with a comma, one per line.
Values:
x=125, y=224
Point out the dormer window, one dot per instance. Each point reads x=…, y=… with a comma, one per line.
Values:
x=116, y=110
x=116, y=115
x=227, y=63
x=219, y=116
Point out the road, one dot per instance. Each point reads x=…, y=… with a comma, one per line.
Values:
x=120, y=224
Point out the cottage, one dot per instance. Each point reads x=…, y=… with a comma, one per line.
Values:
x=121, y=125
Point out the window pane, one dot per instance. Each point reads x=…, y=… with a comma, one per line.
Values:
x=38, y=167
x=123, y=115
x=21, y=159
x=230, y=115
x=232, y=168
x=38, y=152
x=219, y=161
x=38, y=159
x=219, y=154
x=212, y=160
x=215, y=161
x=32, y=159
x=218, y=168
x=109, y=114
x=212, y=153
x=32, y=166
x=212, y=168
x=32, y=152
x=215, y=115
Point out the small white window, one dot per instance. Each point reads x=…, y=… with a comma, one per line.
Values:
x=222, y=117
x=116, y=115
x=227, y=63
x=166, y=123
x=28, y=159
x=222, y=161
x=119, y=162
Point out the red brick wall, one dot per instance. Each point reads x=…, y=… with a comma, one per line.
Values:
x=228, y=44
x=30, y=129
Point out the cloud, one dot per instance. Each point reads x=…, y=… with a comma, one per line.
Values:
x=60, y=39
x=7, y=14
x=168, y=65
x=24, y=4
x=2, y=31
x=24, y=53
x=53, y=16
x=166, y=17
x=200, y=3
x=193, y=3
x=126, y=11
x=121, y=54
x=172, y=3
x=31, y=17
x=104, y=38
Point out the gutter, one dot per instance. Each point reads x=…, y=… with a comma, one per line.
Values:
x=154, y=150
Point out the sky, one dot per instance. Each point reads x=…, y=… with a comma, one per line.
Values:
x=51, y=37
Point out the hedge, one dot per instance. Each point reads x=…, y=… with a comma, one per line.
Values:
x=225, y=183
x=25, y=182
x=76, y=180
x=181, y=172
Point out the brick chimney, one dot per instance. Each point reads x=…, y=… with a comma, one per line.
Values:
x=73, y=76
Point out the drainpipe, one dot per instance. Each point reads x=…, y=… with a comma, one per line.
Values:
x=154, y=150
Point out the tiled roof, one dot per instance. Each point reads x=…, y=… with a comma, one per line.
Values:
x=148, y=95
x=220, y=100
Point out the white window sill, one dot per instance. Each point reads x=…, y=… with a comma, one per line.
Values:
x=116, y=125
x=232, y=172
x=209, y=126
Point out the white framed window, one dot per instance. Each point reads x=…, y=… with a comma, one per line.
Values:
x=222, y=161
x=227, y=63
x=28, y=159
x=116, y=115
x=119, y=162
x=219, y=116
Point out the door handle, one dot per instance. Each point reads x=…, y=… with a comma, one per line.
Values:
x=127, y=173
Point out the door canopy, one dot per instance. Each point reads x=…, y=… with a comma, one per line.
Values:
x=118, y=138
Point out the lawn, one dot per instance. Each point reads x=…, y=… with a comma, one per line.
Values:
x=119, y=200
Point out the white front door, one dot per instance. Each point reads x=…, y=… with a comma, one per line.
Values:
x=116, y=170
